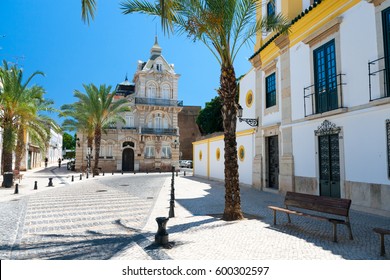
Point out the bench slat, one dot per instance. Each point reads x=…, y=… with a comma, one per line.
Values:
x=336, y=206
x=328, y=205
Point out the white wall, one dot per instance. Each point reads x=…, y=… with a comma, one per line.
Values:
x=304, y=149
x=212, y=168
x=200, y=165
x=247, y=83
x=358, y=46
x=300, y=78
x=246, y=165
x=217, y=166
x=365, y=146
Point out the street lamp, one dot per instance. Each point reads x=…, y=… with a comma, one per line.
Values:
x=176, y=143
x=251, y=122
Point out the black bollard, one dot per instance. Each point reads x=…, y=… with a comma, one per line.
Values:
x=184, y=173
x=72, y=178
x=161, y=236
x=171, y=209
x=103, y=173
x=16, y=189
x=81, y=176
x=112, y=173
x=50, y=182
x=177, y=173
x=35, y=185
x=87, y=175
x=122, y=172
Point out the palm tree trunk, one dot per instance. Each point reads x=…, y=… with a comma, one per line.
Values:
x=227, y=92
x=98, y=138
x=8, y=145
x=89, y=146
x=19, y=151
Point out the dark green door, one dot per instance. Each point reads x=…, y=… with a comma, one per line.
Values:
x=386, y=40
x=128, y=160
x=325, y=78
x=273, y=162
x=329, y=162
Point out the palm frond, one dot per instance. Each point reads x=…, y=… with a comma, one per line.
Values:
x=88, y=8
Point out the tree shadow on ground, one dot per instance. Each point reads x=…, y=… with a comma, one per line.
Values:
x=254, y=204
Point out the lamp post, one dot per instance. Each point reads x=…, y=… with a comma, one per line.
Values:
x=251, y=122
x=89, y=159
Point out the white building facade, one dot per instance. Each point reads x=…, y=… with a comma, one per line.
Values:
x=323, y=102
x=149, y=138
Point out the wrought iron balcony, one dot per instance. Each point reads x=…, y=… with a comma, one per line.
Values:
x=378, y=78
x=129, y=127
x=324, y=96
x=158, y=102
x=159, y=131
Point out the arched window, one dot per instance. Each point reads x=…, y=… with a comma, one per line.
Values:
x=129, y=121
x=151, y=91
x=166, y=151
x=166, y=91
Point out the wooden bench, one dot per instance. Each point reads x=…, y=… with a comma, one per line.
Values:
x=382, y=232
x=321, y=204
x=18, y=175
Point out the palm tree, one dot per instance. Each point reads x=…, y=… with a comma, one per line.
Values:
x=224, y=27
x=79, y=120
x=32, y=122
x=100, y=111
x=12, y=93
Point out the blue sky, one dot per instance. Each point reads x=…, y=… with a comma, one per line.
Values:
x=50, y=36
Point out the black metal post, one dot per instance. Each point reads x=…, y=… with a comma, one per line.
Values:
x=50, y=182
x=72, y=178
x=81, y=176
x=35, y=185
x=172, y=201
x=16, y=189
x=87, y=174
x=161, y=236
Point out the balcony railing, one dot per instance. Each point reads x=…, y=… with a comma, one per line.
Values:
x=378, y=79
x=158, y=102
x=159, y=131
x=324, y=96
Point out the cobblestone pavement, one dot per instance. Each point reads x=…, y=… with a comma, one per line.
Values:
x=198, y=232
x=93, y=219
x=103, y=218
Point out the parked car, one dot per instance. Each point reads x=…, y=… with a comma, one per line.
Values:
x=188, y=163
x=182, y=163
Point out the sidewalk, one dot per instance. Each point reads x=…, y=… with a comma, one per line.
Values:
x=198, y=233
x=61, y=177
